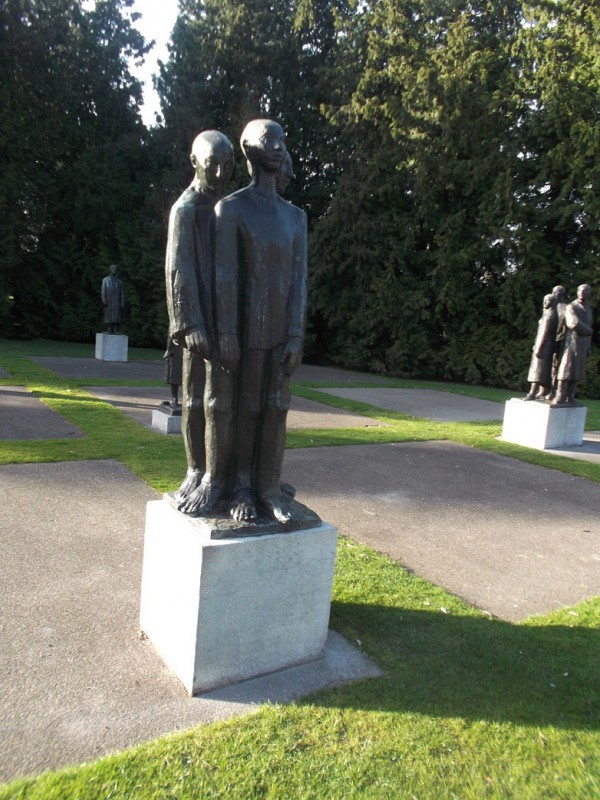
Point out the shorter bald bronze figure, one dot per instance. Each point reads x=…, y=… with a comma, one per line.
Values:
x=189, y=286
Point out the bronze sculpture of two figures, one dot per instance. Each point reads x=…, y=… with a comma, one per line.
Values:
x=236, y=279
x=562, y=346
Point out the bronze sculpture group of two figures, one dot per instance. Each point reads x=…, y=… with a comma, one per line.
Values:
x=562, y=346
x=236, y=280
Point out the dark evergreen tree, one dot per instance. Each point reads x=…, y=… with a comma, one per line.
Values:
x=232, y=61
x=72, y=139
x=557, y=211
x=436, y=94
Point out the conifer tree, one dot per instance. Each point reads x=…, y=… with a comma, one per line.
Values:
x=72, y=136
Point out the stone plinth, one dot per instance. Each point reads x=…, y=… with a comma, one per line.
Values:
x=111, y=347
x=538, y=424
x=220, y=611
x=167, y=419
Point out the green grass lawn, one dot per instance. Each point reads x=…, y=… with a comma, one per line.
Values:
x=468, y=707
x=47, y=347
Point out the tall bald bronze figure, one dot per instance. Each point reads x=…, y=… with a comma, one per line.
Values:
x=260, y=307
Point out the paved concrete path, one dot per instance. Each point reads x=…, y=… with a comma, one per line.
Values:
x=511, y=538
x=76, y=681
x=140, y=402
x=426, y=403
x=24, y=416
x=588, y=451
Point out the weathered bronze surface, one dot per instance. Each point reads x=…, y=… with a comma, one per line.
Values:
x=285, y=175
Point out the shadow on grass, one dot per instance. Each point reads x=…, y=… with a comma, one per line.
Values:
x=471, y=667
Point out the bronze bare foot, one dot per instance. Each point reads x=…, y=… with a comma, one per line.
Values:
x=243, y=508
x=204, y=501
x=192, y=480
x=194, y=501
x=277, y=507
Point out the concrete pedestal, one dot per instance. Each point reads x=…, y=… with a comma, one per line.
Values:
x=111, y=347
x=224, y=610
x=167, y=419
x=538, y=424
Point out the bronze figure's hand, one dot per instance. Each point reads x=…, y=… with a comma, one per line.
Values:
x=229, y=352
x=292, y=355
x=197, y=342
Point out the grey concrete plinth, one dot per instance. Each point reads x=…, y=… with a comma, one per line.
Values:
x=537, y=424
x=222, y=611
x=166, y=420
x=111, y=347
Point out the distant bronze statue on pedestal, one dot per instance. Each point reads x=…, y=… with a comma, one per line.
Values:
x=577, y=345
x=174, y=370
x=540, y=369
x=113, y=299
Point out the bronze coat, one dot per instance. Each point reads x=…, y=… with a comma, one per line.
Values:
x=188, y=269
x=113, y=299
x=577, y=342
x=540, y=369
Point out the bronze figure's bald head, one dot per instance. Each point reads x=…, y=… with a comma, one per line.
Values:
x=263, y=144
x=212, y=160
